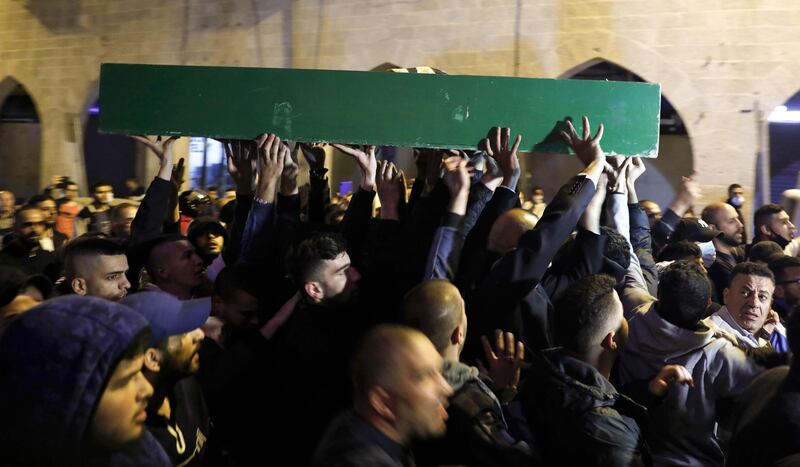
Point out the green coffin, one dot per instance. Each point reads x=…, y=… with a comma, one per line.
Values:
x=381, y=108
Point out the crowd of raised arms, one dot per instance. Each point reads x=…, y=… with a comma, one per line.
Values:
x=460, y=323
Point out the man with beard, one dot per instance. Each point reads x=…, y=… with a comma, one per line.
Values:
x=23, y=251
x=96, y=267
x=725, y=219
x=736, y=199
x=771, y=222
x=52, y=238
x=176, y=413
x=315, y=343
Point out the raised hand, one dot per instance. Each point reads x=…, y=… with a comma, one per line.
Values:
x=240, y=164
x=289, y=175
x=391, y=185
x=507, y=160
x=269, y=165
x=457, y=180
x=365, y=158
x=314, y=156
x=688, y=194
x=163, y=150
x=178, y=174
x=586, y=148
x=504, y=362
x=668, y=377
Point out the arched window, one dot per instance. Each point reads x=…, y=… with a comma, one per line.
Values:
x=20, y=140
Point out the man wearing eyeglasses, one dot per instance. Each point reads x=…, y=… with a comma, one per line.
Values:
x=787, y=284
x=747, y=313
x=23, y=251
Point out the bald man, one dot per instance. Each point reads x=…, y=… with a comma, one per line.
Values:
x=508, y=228
x=436, y=308
x=399, y=396
x=174, y=266
x=96, y=267
x=723, y=217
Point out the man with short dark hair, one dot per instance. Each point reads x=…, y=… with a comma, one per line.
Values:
x=52, y=239
x=176, y=414
x=576, y=414
x=73, y=392
x=98, y=214
x=23, y=249
x=747, y=313
x=97, y=267
x=399, y=395
x=787, y=285
x=771, y=222
x=174, y=266
x=670, y=331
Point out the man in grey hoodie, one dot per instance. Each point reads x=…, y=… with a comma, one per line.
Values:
x=669, y=331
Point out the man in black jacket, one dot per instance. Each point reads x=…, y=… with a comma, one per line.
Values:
x=510, y=291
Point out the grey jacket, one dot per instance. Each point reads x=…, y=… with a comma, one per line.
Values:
x=682, y=427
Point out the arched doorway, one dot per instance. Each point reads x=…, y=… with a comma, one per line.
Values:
x=784, y=141
x=663, y=174
x=108, y=158
x=20, y=140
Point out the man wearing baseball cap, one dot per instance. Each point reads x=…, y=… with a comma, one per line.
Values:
x=176, y=414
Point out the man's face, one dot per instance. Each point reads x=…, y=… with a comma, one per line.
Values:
x=727, y=222
x=748, y=300
x=121, y=224
x=71, y=191
x=789, y=287
x=782, y=226
x=183, y=265
x=29, y=226
x=736, y=192
x=48, y=207
x=239, y=310
x=106, y=277
x=7, y=202
x=210, y=243
x=103, y=194
x=338, y=279
x=419, y=391
x=120, y=415
x=183, y=353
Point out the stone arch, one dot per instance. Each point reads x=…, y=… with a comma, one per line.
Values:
x=20, y=138
x=675, y=151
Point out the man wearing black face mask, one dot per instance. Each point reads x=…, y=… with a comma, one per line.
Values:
x=736, y=199
x=771, y=222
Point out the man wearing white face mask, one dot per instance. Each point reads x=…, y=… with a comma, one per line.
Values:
x=736, y=199
x=697, y=231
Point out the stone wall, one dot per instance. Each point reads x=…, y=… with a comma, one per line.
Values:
x=721, y=63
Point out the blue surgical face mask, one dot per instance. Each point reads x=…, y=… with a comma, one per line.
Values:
x=736, y=201
x=708, y=252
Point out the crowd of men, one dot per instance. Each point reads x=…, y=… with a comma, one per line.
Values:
x=457, y=324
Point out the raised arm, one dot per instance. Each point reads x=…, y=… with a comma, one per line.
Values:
x=150, y=217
